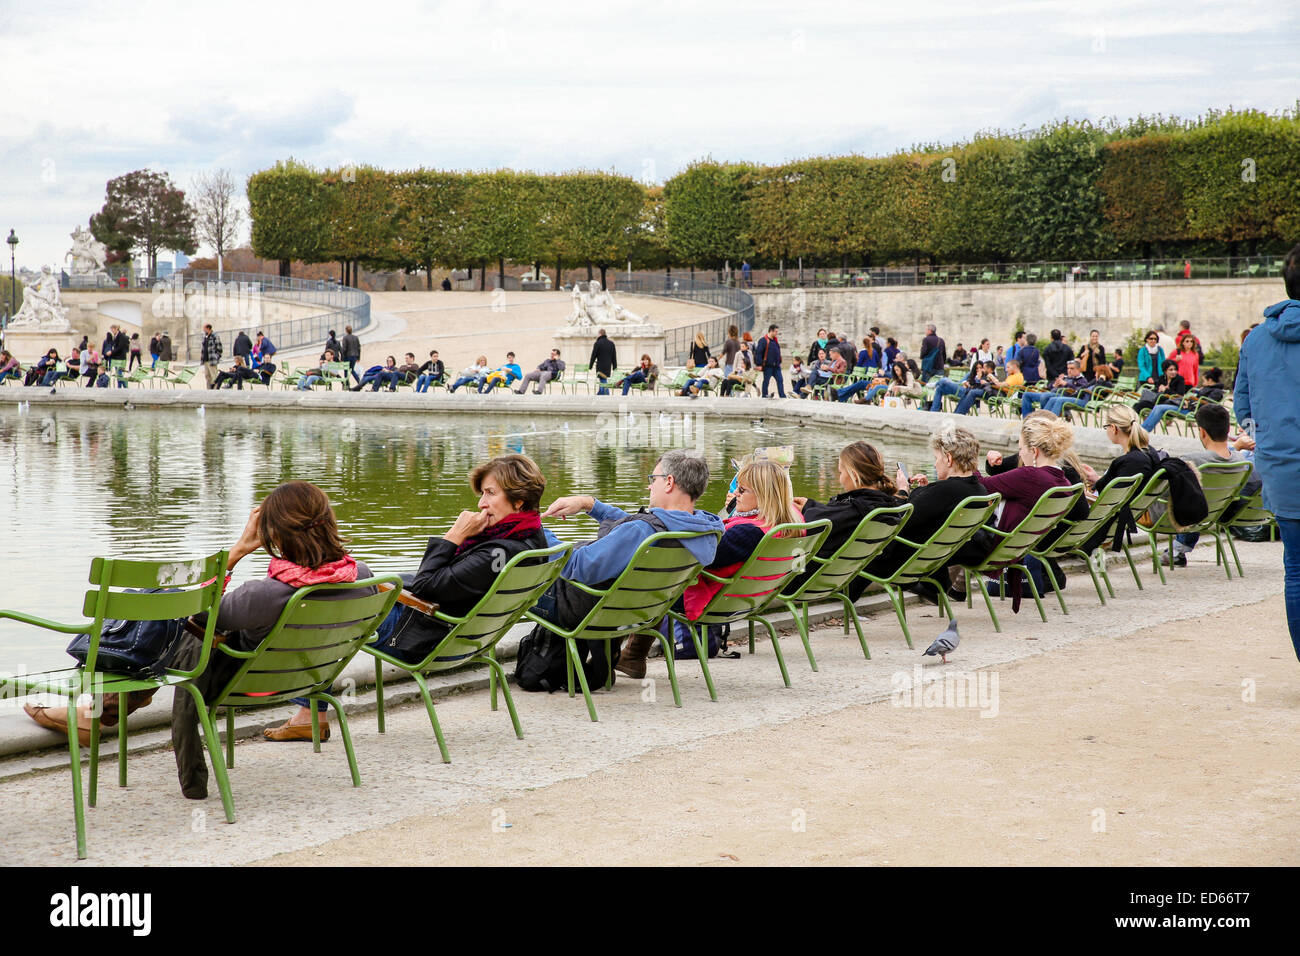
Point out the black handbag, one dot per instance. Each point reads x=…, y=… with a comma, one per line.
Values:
x=142, y=649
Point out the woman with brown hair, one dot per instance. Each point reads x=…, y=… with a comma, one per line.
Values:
x=866, y=487
x=459, y=567
x=646, y=373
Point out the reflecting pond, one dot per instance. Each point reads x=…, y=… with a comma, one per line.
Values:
x=150, y=483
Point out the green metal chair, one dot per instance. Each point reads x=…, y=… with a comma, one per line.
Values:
x=929, y=556
x=1221, y=482
x=783, y=552
x=1248, y=513
x=474, y=635
x=832, y=575
x=180, y=378
x=578, y=377
x=198, y=583
x=1077, y=533
x=659, y=571
x=676, y=385
x=1009, y=553
x=313, y=641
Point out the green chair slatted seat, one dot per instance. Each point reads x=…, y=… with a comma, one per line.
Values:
x=1077, y=533
x=1222, y=482
x=781, y=554
x=658, y=572
x=1249, y=513
x=306, y=650
x=1012, y=547
x=677, y=383
x=831, y=575
x=474, y=635
x=197, y=583
x=578, y=377
x=927, y=557
x=180, y=378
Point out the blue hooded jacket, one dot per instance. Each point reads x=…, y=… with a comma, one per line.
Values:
x=1267, y=367
x=605, y=558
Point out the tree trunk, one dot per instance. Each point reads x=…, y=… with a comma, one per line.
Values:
x=482, y=276
x=428, y=275
x=501, y=272
x=559, y=274
x=284, y=268
x=589, y=275
x=603, y=283
x=343, y=272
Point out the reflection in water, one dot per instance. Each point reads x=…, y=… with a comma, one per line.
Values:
x=151, y=483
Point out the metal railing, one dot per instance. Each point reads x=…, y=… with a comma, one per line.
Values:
x=1090, y=270
x=677, y=342
x=343, y=304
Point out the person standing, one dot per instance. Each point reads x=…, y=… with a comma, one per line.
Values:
x=210, y=355
x=332, y=343
x=351, y=351
x=746, y=275
x=767, y=352
x=243, y=348
x=934, y=354
x=1056, y=356
x=155, y=350
x=1030, y=359
x=729, y=350
x=604, y=359
x=1093, y=355
x=165, y=351
x=1267, y=405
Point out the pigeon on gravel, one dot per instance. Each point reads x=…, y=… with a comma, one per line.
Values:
x=945, y=643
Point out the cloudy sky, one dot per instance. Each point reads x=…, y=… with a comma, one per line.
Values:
x=98, y=89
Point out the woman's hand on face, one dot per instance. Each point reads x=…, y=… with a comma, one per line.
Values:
x=249, y=539
x=467, y=525
x=994, y=458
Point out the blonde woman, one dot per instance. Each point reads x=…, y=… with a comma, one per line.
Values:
x=476, y=373
x=764, y=499
x=1123, y=428
x=699, y=351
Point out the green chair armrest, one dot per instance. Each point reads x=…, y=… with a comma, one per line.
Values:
x=47, y=625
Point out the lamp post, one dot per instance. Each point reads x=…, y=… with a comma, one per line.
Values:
x=13, y=285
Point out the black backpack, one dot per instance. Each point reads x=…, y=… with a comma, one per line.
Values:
x=140, y=649
x=1186, y=498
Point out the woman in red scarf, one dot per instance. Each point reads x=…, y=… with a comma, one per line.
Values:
x=459, y=567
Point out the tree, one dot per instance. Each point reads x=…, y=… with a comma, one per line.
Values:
x=503, y=218
x=289, y=206
x=432, y=220
x=144, y=210
x=706, y=214
x=217, y=212
x=593, y=217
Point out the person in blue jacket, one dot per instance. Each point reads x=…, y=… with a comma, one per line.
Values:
x=767, y=352
x=676, y=483
x=1266, y=369
x=1151, y=361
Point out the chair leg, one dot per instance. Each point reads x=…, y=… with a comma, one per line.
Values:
x=896, y=599
x=970, y=598
x=1235, y=558
x=92, y=795
x=1221, y=554
x=74, y=752
x=576, y=665
x=433, y=716
x=498, y=677
x=121, y=740
x=667, y=645
x=343, y=728
x=230, y=737
x=851, y=612
x=214, y=751
x=751, y=637
x=379, y=692
x=776, y=648
x=802, y=626
x=492, y=681
x=988, y=602
x=1132, y=565
x=700, y=638
x=1033, y=589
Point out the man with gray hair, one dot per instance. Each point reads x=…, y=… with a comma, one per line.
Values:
x=677, y=481
x=934, y=354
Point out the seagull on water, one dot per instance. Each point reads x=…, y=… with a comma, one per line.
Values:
x=945, y=643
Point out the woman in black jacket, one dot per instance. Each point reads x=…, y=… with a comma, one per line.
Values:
x=459, y=567
x=700, y=351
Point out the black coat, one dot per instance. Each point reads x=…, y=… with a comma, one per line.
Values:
x=604, y=357
x=243, y=345
x=455, y=583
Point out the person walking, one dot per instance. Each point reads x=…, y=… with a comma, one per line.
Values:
x=351, y=351
x=604, y=359
x=210, y=355
x=1266, y=404
x=767, y=353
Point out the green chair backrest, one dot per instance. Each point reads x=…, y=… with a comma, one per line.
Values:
x=661, y=568
x=1252, y=512
x=1222, y=482
x=313, y=640
x=679, y=382
x=869, y=538
x=197, y=588
x=927, y=557
x=1157, y=487
x=783, y=552
x=517, y=587
x=1113, y=497
x=1013, y=545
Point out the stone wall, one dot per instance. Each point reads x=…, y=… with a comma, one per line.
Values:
x=1217, y=309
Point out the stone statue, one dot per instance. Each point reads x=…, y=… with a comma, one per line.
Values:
x=42, y=306
x=88, y=254
x=596, y=307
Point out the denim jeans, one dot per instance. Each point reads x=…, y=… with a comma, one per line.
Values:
x=945, y=387
x=387, y=378
x=49, y=378
x=842, y=394
x=875, y=390
x=1290, y=529
x=308, y=382
x=769, y=373
x=424, y=381
x=466, y=379
x=1153, y=418
x=1057, y=404
x=969, y=399
x=634, y=378
x=1030, y=399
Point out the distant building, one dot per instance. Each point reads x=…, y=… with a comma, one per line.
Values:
x=164, y=270
x=182, y=261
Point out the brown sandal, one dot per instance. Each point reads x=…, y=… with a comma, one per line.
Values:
x=45, y=716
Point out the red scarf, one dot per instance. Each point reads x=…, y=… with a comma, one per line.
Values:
x=341, y=571
x=516, y=526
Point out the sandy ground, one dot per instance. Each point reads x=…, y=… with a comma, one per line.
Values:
x=1116, y=751
x=1130, y=719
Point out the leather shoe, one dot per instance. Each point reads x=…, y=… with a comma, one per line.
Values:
x=287, y=731
x=56, y=719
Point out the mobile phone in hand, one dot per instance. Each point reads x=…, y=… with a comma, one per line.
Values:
x=903, y=469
